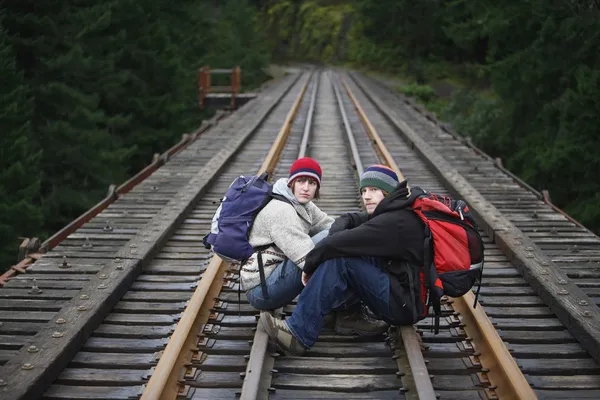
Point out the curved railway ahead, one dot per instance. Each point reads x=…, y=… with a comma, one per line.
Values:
x=131, y=301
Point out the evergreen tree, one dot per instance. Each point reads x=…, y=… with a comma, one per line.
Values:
x=80, y=158
x=19, y=160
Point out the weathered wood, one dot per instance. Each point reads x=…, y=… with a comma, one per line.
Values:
x=147, y=307
x=517, y=312
x=564, y=366
x=95, y=377
x=568, y=394
x=47, y=284
x=537, y=337
x=567, y=382
x=31, y=316
x=108, y=360
x=336, y=382
x=134, y=331
x=175, y=297
x=309, y=394
x=20, y=328
x=124, y=345
x=13, y=342
x=23, y=293
x=527, y=301
x=567, y=350
x=233, y=363
x=328, y=365
x=30, y=305
x=528, y=324
x=6, y=355
x=566, y=300
x=140, y=319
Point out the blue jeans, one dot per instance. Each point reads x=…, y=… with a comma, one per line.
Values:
x=283, y=285
x=332, y=284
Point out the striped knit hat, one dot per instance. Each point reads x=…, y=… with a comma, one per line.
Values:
x=305, y=166
x=379, y=176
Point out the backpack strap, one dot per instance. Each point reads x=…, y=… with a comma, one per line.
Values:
x=281, y=197
x=430, y=279
x=261, y=272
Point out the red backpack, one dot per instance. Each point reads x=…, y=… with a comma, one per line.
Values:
x=453, y=251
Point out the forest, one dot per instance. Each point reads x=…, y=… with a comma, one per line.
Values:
x=91, y=90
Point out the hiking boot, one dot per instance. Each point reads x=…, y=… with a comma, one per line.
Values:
x=278, y=330
x=359, y=321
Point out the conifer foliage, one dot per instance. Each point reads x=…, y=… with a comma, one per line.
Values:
x=90, y=90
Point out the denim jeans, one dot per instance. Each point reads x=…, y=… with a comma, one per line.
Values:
x=332, y=284
x=283, y=285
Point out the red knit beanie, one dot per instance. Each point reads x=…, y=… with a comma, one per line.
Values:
x=306, y=167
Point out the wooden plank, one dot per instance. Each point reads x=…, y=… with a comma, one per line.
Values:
x=528, y=324
x=567, y=350
x=110, y=377
x=134, y=331
x=6, y=355
x=13, y=342
x=140, y=319
x=309, y=394
x=152, y=296
x=211, y=379
x=568, y=394
x=138, y=307
x=50, y=294
x=21, y=328
x=47, y=284
x=48, y=277
x=336, y=382
x=31, y=316
x=517, y=312
x=96, y=360
x=328, y=365
x=526, y=301
x=563, y=366
x=567, y=382
x=30, y=305
x=110, y=345
x=233, y=363
x=537, y=337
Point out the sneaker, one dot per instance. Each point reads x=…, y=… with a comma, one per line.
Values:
x=359, y=321
x=278, y=330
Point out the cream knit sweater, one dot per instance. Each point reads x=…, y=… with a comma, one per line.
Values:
x=288, y=228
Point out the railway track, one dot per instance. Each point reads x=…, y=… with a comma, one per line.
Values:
x=138, y=308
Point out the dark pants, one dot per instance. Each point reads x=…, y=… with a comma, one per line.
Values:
x=333, y=284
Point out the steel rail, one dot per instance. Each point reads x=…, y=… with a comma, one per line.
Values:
x=353, y=148
x=409, y=336
x=165, y=382
x=503, y=372
x=254, y=369
x=309, y=118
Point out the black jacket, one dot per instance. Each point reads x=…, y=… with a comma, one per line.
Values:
x=393, y=233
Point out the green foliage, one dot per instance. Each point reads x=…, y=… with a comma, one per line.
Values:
x=422, y=92
x=312, y=30
x=19, y=159
x=92, y=89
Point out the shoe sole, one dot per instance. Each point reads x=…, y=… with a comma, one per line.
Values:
x=273, y=335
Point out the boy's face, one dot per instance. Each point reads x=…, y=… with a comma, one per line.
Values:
x=371, y=197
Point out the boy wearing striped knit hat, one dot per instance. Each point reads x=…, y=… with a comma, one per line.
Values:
x=373, y=256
